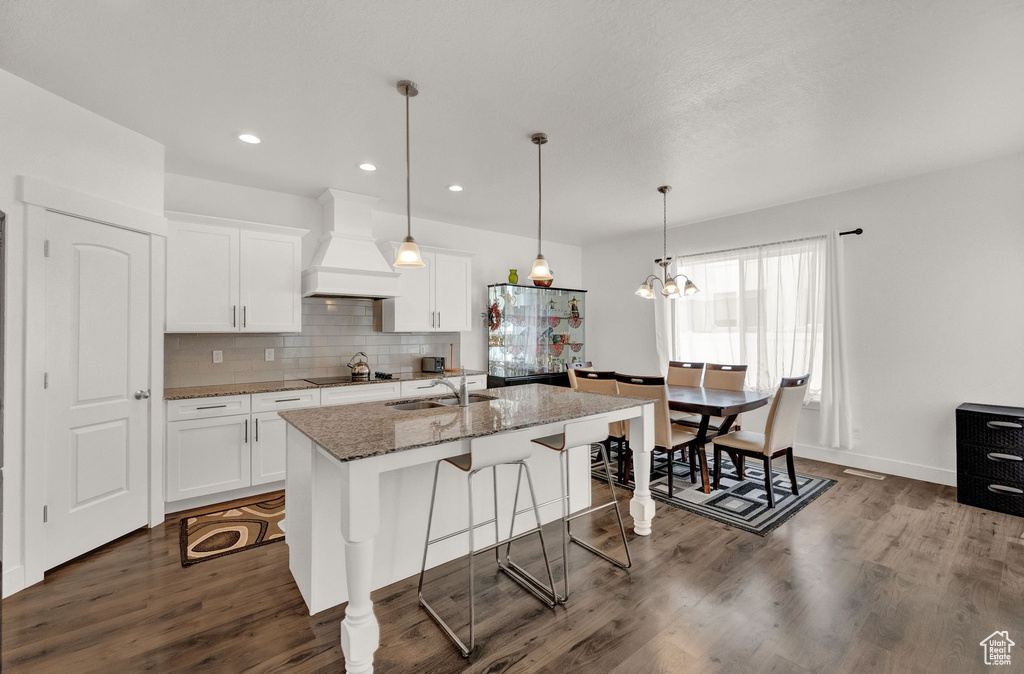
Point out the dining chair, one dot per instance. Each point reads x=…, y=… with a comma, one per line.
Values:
x=728, y=377
x=684, y=373
x=668, y=437
x=571, y=369
x=603, y=382
x=777, y=439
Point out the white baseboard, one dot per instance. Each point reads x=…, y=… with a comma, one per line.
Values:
x=914, y=471
x=13, y=580
x=221, y=497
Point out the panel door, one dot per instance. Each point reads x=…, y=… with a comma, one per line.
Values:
x=97, y=357
x=206, y=456
x=414, y=310
x=271, y=282
x=268, y=447
x=453, y=292
x=202, y=278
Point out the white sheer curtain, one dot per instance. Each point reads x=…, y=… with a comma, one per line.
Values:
x=836, y=425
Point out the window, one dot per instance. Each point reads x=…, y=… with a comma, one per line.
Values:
x=762, y=306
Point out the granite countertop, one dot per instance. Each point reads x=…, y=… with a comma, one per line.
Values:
x=187, y=392
x=350, y=432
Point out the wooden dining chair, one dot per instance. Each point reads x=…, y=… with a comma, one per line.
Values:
x=684, y=373
x=777, y=439
x=603, y=382
x=571, y=369
x=668, y=437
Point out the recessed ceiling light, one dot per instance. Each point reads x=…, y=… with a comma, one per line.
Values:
x=248, y=138
x=455, y=188
x=368, y=167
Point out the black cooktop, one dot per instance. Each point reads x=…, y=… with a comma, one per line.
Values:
x=327, y=381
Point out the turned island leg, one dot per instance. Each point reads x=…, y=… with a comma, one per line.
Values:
x=360, y=633
x=641, y=443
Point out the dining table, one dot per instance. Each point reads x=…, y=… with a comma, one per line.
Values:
x=712, y=402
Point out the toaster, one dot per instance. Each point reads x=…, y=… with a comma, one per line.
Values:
x=432, y=364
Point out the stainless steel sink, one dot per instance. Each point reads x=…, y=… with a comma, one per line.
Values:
x=418, y=405
x=473, y=398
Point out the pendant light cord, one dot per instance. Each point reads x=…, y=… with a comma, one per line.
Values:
x=540, y=198
x=664, y=231
x=408, y=171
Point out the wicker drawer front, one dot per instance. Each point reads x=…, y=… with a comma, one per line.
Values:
x=1001, y=463
x=992, y=430
x=1005, y=497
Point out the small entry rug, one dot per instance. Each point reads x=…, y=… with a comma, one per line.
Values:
x=223, y=532
x=739, y=503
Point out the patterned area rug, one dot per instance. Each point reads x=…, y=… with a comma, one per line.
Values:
x=223, y=532
x=739, y=503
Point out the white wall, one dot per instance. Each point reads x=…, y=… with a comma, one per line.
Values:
x=495, y=253
x=47, y=137
x=933, y=301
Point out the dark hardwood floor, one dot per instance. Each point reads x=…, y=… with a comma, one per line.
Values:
x=874, y=576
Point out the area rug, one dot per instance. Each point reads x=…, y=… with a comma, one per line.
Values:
x=225, y=532
x=742, y=504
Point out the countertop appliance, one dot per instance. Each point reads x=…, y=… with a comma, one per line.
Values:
x=360, y=368
x=432, y=364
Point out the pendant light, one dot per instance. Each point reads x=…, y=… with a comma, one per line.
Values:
x=408, y=253
x=669, y=285
x=540, y=271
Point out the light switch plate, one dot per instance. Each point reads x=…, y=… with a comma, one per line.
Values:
x=218, y=356
x=268, y=354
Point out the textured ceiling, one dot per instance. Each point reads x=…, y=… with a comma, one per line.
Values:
x=738, y=105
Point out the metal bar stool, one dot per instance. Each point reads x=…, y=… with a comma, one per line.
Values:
x=576, y=434
x=487, y=452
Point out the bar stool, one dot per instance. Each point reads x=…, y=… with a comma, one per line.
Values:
x=487, y=452
x=575, y=434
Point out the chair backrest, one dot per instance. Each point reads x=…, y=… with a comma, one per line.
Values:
x=586, y=432
x=780, y=432
x=682, y=373
x=729, y=377
x=603, y=382
x=655, y=389
x=571, y=371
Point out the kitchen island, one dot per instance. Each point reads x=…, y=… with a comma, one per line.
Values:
x=359, y=476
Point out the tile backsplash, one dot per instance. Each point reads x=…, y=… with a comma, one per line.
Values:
x=333, y=330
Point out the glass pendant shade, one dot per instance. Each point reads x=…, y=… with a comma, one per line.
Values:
x=540, y=271
x=645, y=292
x=671, y=290
x=690, y=288
x=409, y=254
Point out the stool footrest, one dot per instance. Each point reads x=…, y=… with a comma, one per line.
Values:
x=530, y=582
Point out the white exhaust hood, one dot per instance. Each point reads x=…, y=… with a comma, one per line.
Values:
x=348, y=262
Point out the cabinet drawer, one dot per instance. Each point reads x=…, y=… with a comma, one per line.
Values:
x=206, y=408
x=477, y=382
x=359, y=393
x=1001, y=496
x=1003, y=463
x=285, y=400
x=423, y=387
x=992, y=430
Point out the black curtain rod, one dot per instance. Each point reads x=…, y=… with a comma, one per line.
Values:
x=857, y=231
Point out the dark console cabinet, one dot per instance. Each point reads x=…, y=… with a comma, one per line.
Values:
x=990, y=457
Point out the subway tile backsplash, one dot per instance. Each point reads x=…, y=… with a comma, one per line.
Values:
x=333, y=330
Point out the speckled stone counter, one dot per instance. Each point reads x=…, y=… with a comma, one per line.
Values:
x=350, y=432
x=186, y=392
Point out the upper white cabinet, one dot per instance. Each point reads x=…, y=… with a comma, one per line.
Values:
x=227, y=276
x=435, y=298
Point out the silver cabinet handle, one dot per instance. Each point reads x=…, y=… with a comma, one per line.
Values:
x=246, y=432
x=287, y=400
x=257, y=430
x=431, y=319
x=1000, y=489
x=211, y=407
x=998, y=456
x=234, y=315
x=245, y=315
x=141, y=395
x=427, y=386
x=438, y=320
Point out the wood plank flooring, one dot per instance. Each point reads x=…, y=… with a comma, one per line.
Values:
x=874, y=576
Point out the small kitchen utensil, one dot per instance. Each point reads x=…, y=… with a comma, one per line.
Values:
x=360, y=369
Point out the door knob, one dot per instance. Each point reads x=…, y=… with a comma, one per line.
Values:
x=141, y=395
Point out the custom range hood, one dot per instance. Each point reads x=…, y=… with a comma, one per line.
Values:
x=348, y=262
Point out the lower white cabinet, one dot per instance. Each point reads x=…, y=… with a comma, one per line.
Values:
x=206, y=456
x=268, y=445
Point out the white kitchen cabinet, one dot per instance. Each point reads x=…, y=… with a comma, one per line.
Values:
x=268, y=447
x=359, y=393
x=423, y=387
x=229, y=276
x=206, y=456
x=434, y=298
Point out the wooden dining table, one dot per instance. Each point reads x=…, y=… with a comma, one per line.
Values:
x=712, y=402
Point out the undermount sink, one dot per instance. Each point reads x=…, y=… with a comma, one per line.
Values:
x=418, y=405
x=473, y=398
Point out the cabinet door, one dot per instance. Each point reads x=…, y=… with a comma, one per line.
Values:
x=268, y=447
x=202, y=278
x=271, y=282
x=453, y=292
x=413, y=311
x=206, y=456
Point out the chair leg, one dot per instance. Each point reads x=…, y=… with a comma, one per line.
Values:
x=718, y=466
x=705, y=478
x=693, y=464
x=472, y=598
x=792, y=472
x=768, y=481
x=741, y=467
x=669, y=453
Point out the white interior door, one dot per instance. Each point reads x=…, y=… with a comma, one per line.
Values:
x=202, y=278
x=271, y=282
x=97, y=357
x=452, y=292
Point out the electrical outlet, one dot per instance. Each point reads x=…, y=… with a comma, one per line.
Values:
x=268, y=354
x=423, y=349
x=218, y=356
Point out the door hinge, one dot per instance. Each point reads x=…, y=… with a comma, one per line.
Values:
x=46, y=248
x=45, y=514
x=46, y=380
